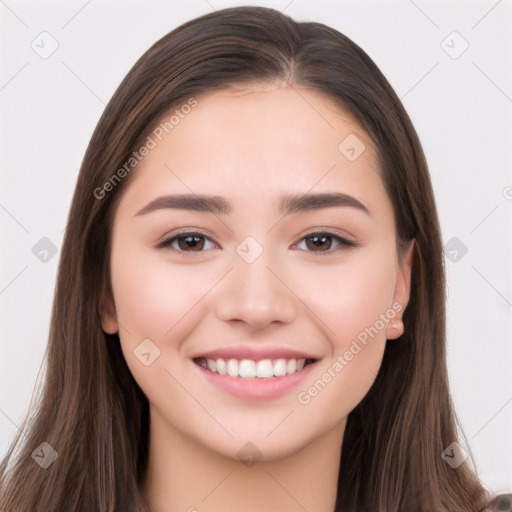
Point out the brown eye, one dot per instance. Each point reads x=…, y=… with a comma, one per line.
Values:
x=194, y=242
x=322, y=242
x=185, y=242
x=318, y=242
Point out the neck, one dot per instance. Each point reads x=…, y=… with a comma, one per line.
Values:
x=184, y=475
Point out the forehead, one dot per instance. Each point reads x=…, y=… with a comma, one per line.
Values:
x=253, y=142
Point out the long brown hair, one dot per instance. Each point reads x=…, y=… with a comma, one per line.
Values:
x=92, y=412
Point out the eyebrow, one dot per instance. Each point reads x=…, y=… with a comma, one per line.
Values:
x=288, y=204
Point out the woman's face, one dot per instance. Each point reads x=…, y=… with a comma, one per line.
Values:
x=252, y=271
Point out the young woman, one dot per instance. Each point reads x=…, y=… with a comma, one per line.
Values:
x=250, y=304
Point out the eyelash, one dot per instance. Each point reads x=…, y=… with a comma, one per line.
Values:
x=343, y=242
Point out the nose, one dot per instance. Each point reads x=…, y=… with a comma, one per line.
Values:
x=256, y=294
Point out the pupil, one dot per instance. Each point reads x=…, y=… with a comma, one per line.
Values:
x=319, y=241
x=192, y=241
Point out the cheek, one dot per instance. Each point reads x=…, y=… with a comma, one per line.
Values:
x=160, y=302
x=152, y=297
x=352, y=296
x=157, y=301
x=354, y=304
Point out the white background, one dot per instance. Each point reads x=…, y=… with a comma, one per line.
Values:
x=460, y=107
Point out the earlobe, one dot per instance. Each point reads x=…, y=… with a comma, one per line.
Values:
x=108, y=316
x=109, y=323
x=394, y=330
x=401, y=295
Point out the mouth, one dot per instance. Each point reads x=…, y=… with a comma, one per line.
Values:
x=251, y=372
x=249, y=369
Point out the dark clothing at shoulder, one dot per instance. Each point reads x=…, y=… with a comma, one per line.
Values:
x=502, y=503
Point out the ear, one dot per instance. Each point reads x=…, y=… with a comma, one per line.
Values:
x=401, y=293
x=108, y=313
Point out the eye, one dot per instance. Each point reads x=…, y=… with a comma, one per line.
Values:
x=185, y=242
x=318, y=241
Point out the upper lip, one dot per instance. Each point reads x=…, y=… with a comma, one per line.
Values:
x=247, y=352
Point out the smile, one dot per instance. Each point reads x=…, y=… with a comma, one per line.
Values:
x=253, y=376
x=253, y=369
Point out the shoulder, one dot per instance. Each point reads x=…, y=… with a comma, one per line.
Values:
x=501, y=503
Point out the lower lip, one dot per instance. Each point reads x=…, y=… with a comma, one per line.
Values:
x=257, y=388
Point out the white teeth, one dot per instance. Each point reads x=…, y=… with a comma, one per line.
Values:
x=247, y=369
x=250, y=369
x=280, y=368
x=221, y=366
x=233, y=368
x=264, y=368
x=291, y=366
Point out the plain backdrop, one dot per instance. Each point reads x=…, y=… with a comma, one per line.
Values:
x=450, y=63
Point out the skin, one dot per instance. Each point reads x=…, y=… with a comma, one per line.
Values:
x=251, y=145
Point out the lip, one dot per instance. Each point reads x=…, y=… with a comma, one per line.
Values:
x=256, y=389
x=256, y=353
